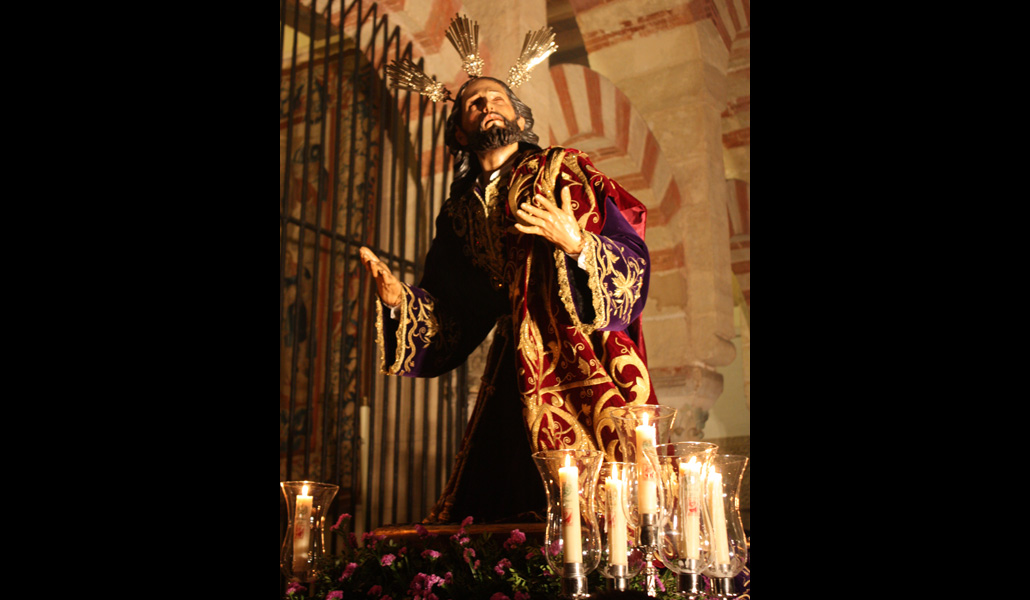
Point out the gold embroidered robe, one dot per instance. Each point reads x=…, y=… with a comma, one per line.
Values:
x=565, y=349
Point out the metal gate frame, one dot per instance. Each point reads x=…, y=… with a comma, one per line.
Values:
x=403, y=433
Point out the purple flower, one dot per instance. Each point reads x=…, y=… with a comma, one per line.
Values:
x=521, y=595
x=499, y=596
x=499, y=568
x=658, y=581
x=387, y=560
x=375, y=590
x=516, y=538
x=334, y=595
x=295, y=587
x=339, y=522
x=430, y=554
x=347, y=572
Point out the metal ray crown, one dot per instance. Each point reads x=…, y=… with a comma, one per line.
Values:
x=463, y=33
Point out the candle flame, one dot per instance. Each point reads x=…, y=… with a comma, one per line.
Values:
x=304, y=491
x=643, y=419
x=568, y=460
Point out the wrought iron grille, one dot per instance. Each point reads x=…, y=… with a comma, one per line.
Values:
x=359, y=165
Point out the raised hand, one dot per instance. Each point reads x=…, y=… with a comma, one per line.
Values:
x=556, y=225
x=387, y=286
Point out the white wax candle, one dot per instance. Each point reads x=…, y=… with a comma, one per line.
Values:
x=364, y=417
x=616, y=489
x=721, y=546
x=647, y=484
x=690, y=497
x=302, y=532
x=568, y=477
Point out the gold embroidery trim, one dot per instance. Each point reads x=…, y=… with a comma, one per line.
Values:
x=602, y=264
x=416, y=321
x=565, y=285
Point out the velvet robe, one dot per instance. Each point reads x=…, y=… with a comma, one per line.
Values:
x=567, y=345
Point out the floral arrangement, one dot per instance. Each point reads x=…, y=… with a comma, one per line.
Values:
x=440, y=567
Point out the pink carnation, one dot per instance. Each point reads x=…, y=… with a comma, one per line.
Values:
x=375, y=590
x=422, y=585
x=295, y=587
x=521, y=595
x=516, y=538
x=387, y=560
x=499, y=596
x=466, y=522
x=555, y=548
x=499, y=568
x=469, y=554
x=348, y=571
x=334, y=595
x=430, y=554
x=339, y=522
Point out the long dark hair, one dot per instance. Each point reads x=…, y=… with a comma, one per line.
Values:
x=466, y=166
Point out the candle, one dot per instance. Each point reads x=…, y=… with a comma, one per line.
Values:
x=719, y=542
x=616, y=489
x=568, y=477
x=690, y=504
x=364, y=415
x=647, y=486
x=302, y=532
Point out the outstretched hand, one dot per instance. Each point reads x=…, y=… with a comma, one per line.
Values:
x=556, y=225
x=388, y=287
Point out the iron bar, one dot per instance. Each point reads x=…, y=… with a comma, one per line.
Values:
x=336, y=472
x=285, y=211
x=313, y=308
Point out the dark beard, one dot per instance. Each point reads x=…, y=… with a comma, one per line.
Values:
x=495, y=137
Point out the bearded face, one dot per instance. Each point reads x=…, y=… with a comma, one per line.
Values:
x=495, y=137
x=487, y=119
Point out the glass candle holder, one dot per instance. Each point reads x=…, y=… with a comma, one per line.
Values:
x=684, y=544
x=722, y=509
x=620, y=522
x=306, y=504
x=640, y=428
x=572, y=538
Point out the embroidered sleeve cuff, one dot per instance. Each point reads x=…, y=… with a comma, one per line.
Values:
x=413, y=328
x=614, y=277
